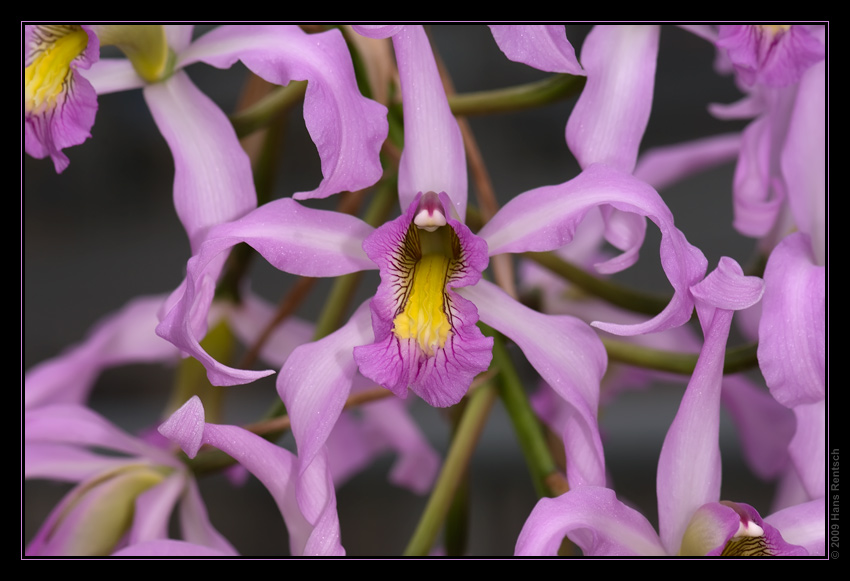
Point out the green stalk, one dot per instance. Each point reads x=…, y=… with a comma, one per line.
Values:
x=532, y=439
x=554, y=88
x=262, y=113
x=606, y=289
x=454, y=468
x=737, y=358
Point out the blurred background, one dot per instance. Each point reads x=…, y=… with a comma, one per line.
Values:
x=105, y=231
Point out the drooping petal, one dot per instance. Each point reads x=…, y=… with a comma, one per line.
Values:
x=78, y=425
x=792, y=333
x=569, y=356
x=292, y=238
x=347, y=128
x=213, y=181
x=123, y=337
x=605, y=127
x=315, y=382
x=304, y=496
x=425, y=333
x=59, y=103
x=803, y=159
x=594, y=519
x=689, y=465
x=546, y=218
x=543, y=47
x=433, y=158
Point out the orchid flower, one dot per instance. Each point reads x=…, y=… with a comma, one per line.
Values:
x=692, y=519
x=422, y=333
x=305, y=497
x=124, y=496
x=213, y=179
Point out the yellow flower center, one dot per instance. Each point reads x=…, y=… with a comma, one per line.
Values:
x=424, y=316
x=47, y=75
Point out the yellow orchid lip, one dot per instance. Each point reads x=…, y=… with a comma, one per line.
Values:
x=47, y=76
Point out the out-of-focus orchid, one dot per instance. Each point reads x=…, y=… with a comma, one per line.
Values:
x=124, y=496
x=692, y=519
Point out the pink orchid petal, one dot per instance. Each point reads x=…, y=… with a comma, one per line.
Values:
x=808, y=447
x=689, y=465
x=543, y=47
x=293, y=238
x=569, y=356
x=604, y=127
x=803, y=158
x=304, y=494
x=213, y=181
x=792, y=333
x=594, y=519
x=316, y=380
x=347, y=128
x=433, y=158
x=803, y=524
x=546, y=218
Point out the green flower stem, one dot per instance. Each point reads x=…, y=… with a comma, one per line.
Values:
x=737, y=358
x=263, y=112
x=549, y=90
x=454, y=468
x=608, y=290
x=532, y=439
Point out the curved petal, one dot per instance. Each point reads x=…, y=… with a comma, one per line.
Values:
x=594, y=519
x=604, y=127
x=569, y=356
x=213, y=181
x=546, y=218
x=792, y=333
x=292, y=238
x=803, y=159
x=316, y=379
x=543, y=47
x=75, y=424
x=347, y=128
x=689, y=465
x=304, y=495
x=433, y=158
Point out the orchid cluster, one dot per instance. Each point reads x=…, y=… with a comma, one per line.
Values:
x=410, y=313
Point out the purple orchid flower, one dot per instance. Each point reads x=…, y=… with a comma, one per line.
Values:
x=59, y=103
x=448, y=351
x=213, y=181
x=692, y=519
x=123, y=497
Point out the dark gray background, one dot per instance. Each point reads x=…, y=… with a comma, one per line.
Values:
x=105, y=231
